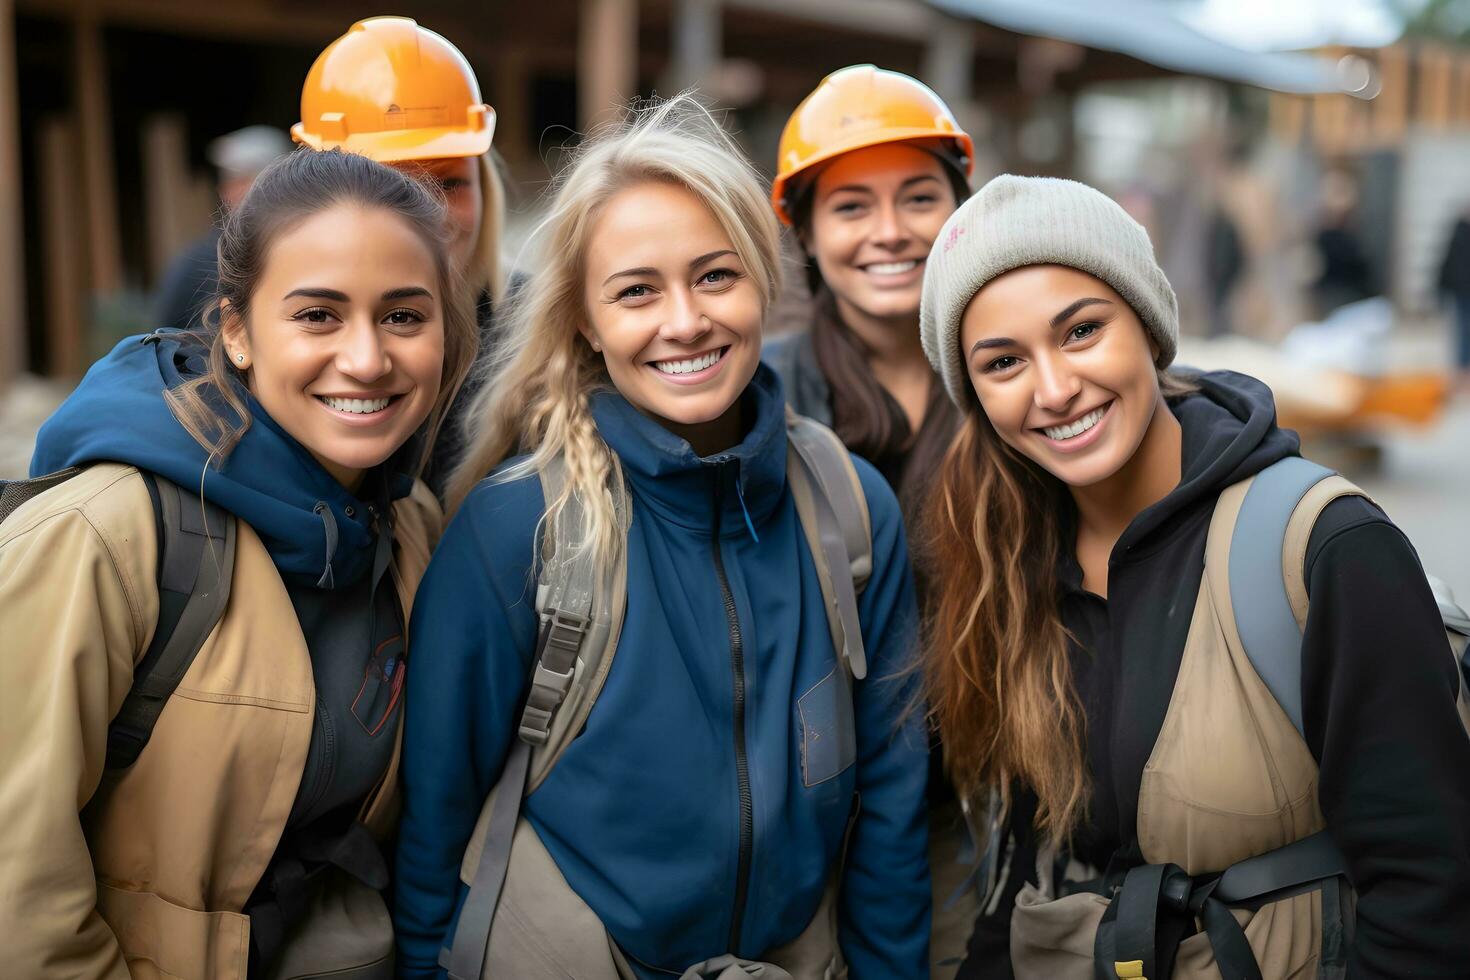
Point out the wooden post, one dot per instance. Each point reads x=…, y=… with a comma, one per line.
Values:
x=104, y=251
x=607, y=58
x=1391, y=108
x=12, y=215
x=511, y=97
x=697, y=42
x=63, y=246
x=166, y=184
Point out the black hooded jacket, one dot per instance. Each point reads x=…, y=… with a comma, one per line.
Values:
x=1378, y=691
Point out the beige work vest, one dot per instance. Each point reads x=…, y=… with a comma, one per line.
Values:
x=1229, y=778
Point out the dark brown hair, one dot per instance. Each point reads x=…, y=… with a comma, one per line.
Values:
x=998, y=674
x=865, y=417
x=301, y=184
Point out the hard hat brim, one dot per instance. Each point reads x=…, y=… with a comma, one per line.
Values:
x=398, y=146
x=881, y=137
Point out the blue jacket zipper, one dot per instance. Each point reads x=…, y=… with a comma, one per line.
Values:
x=742, y=763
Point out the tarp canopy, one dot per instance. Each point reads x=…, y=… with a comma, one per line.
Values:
x=1152, y=32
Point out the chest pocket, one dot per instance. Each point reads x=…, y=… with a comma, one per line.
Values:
x=828, y=739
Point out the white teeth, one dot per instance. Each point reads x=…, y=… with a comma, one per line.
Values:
x=690, y=365
x=357, y=406
x=892, y=268
x=1075, y=429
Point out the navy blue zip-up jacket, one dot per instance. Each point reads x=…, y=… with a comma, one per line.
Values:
x=643, y=813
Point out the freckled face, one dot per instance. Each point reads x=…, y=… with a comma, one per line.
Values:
x=670, y=305
x=1063, y=369
x=344, y=347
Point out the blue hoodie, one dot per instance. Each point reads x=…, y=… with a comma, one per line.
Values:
x=642, y=813
x=318, y=534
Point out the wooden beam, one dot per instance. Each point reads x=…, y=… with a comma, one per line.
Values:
x=104, y=249
x=12, y=215
x=885, y=18
x=63, y=245
x=697, y=42
x=607, y=45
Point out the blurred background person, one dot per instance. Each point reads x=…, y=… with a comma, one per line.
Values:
x=192, y=277
x=1344, y=275
x=1454, y=279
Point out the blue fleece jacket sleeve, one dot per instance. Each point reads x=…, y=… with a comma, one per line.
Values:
x=884, y=927
x=472, y=638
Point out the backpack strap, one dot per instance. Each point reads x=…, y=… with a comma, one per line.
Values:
x=1255, y=560
x=834, y=516
x=13, y=493
x=196, y=561
x=580, y=607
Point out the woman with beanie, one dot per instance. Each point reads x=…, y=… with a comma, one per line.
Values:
x=1170, y=799
x=871, y=164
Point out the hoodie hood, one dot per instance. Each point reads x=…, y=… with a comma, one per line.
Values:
x=1229, y=433
x=318, y=534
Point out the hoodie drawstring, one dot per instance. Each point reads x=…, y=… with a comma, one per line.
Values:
x=744, y=510
x=329, y=525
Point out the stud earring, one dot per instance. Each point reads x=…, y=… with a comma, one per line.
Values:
x=597, y=347
x=240, y=358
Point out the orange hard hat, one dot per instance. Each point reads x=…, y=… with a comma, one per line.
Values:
x=392, y=91
x=857, y=107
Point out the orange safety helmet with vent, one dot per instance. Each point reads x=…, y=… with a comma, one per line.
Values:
x=394, y=91
x=857, y=107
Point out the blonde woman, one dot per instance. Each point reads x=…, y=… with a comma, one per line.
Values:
x=683, y=816
x=199, y=845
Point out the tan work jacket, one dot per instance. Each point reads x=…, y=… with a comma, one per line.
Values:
x=144, y=874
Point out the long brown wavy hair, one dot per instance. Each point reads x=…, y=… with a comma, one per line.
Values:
x=998, y=674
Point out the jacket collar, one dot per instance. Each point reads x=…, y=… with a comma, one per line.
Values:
x=738, y=487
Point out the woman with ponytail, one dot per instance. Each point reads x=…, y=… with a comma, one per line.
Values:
x=1169, y=799
x=697, y=821
x=204, y=615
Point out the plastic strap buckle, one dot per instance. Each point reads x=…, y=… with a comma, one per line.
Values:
x=565, y=632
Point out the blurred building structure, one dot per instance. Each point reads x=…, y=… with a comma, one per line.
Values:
x=106, y=105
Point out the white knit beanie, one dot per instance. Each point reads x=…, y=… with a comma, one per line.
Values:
x=1013, y=222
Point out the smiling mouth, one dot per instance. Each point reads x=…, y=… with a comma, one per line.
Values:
x=690, y=365
x=1061, y=433
x=891, y=268
x=357, y=406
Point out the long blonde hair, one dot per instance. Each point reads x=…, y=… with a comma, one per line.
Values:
x=487, y=265
x=212, y=408
x=536, y=396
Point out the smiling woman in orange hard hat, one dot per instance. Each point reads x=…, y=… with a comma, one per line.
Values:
x=871, y=164
x=403, y=95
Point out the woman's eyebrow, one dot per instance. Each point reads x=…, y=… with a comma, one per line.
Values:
x=990, y=342
x=645, y=270
x=318, y=292
x=407, y=292
x=1061, y=317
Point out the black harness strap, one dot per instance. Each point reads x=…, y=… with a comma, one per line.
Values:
x=196, y=559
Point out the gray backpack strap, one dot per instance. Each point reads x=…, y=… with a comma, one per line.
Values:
x=580, y=607
x=196, y=561
x=1257, y=582
x=13, y=493
x=834, y=516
